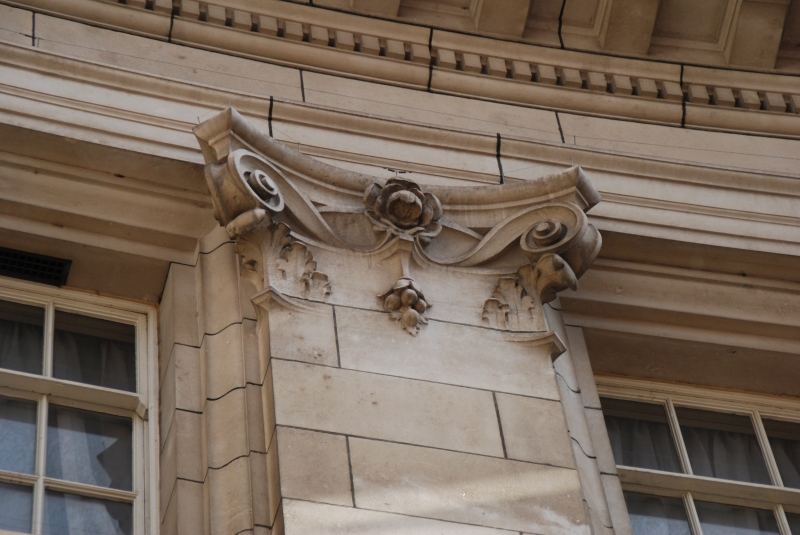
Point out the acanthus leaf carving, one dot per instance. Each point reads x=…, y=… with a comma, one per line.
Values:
x=516, y=303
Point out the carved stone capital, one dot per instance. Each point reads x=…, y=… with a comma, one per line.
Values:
x=280, y=205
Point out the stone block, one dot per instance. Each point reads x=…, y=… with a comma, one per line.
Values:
x=446, y=59
x=534, y=430
x=293, y=30
x=188, y=429
x=471, y=63
x=319, y=36
x=597, y=81
x=420, y=54
x=185, y=513
x=306, y=335
x=370, y=45
x=616, y=505
x=646, y=88
x=189, y=378
x=621, y=85
x=255, y=360
x=178, y=314
x=545, y=74
x=17, y=25
x=602, y=446
x=521, y=70
x=571, y=78
x=314, y=466
x=749, y=99
x=225, y=366
x=389, y=408
x=794, y=103
x=220, y=286
x=671, y=91
x=496, y=67
x=395, y=49
x=273, y=480
x=227, y=428
x=256, y=434
x=723, y=96
x=190, y=9
x=303, y=518
x=267, y=25
x=774, y=102
x=583, y=367
x=242, y=20
x=697, y=94
x=447, y=353
x=268, y=405
x=168, y=470
x=502, y=17
x=229, y=498
x=345, y=40
x=259, y=482
x=757, y=33
x=216, y=14
x=471, y=489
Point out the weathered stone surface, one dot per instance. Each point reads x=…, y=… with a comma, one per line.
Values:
x=314, y=466
x=466, y=488
x=303, y=335
x=389, y=408
x=303, y=518
x=445, y=352
x=534, y=430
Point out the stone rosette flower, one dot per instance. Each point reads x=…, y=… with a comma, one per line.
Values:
x=401, y=207
x=406, y=304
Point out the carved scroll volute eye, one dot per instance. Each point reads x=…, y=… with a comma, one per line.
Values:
x=545, y=233
x=264, y=189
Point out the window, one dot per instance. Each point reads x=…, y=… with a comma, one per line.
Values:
x=76, y=388
x=695, y=461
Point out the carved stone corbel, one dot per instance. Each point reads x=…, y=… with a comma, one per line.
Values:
x=280, y=205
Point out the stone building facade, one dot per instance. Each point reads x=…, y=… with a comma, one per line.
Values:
x=521, y=267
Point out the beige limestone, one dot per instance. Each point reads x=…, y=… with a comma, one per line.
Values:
x=401, y=410
x=291, y=337
x=17, y=25
x=497, y=493
x=616, y=505
x=321, y=519
x=220, y=280
x=149, y=56
x=583, y=366
x=448, y=353
x=314, y=466
x=225, y=362
x=227, y=437
x=534, y=430
x=230, y=493
x=185, y=513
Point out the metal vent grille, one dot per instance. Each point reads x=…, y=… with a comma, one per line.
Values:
x=34, y=267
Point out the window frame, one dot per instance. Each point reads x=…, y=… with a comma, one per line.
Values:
x=691, y=487
x=141, y=406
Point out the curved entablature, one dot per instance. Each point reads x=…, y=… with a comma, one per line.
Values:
x=274, y=200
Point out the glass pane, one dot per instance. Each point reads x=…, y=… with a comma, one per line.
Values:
x=21, y=337
x=16, y=507
x=88, y=447
x=721, y=519
x=722, y=445
x=17, y=435
x=794, y=523
x=655, y=515
x=640, y=435
x=784, y=437
x=70, y=514
x=94, y=351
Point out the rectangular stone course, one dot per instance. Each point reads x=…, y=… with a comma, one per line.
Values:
x=470, y=489
x=387, y=408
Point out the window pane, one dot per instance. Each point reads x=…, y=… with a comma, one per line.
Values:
x=640, y=435
x=88, y=447
x=722, y=445
x=17, y=435
x=655, y=515
x=16, y=507
x=784, y=437
x=721, y=519
x=794, y=523
x=21, y=337
x=94, y=351
x=70, y=514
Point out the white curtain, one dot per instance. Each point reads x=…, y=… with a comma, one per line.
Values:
x=725, y=455
x=643, y=444
x=21, y=346
x=93, y=360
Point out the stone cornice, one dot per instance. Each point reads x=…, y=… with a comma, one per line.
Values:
x=324, y=41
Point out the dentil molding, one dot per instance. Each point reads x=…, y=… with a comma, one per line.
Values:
x=280, y=205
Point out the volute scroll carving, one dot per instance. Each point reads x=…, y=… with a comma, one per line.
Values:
x=280, y=205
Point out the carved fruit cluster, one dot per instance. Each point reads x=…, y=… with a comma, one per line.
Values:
x=407, y=304
x=401, y=207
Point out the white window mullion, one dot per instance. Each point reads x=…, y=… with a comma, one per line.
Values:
x=691, y=513
x=49, y=334
x=675, y=426
x=783, y=523
x=41, y=468
x=763, y=441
